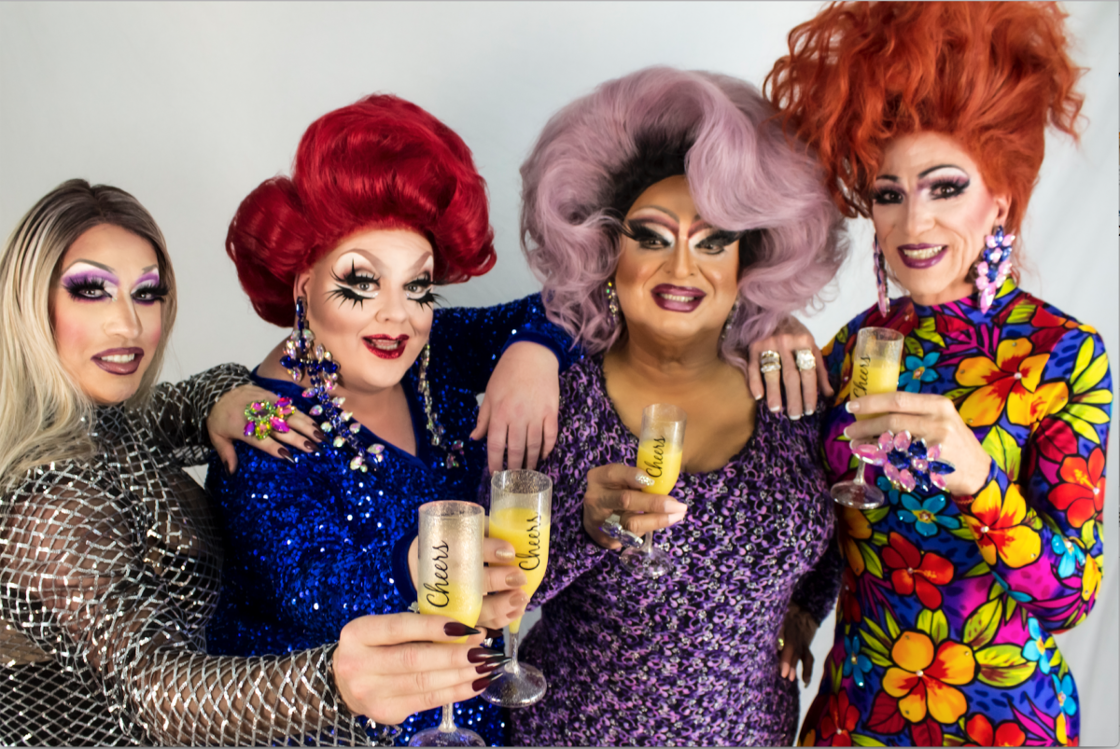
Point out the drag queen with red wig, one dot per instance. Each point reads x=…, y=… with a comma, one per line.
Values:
x=383, y=206
x=929, y=118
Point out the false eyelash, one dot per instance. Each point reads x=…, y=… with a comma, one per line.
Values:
x=348, y=295
x=722, y=238
x=429, y=300
x=960, y=184
x=353, y=277
x=880, y=196
x=158, y=292
x=75, y=286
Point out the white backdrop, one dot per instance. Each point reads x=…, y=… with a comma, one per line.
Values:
x=190, y=105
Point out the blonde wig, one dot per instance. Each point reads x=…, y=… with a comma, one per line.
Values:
x=44, y=414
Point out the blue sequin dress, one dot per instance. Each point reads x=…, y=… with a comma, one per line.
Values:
x=310, y=545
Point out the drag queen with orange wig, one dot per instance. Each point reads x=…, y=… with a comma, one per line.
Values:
x=929, y=118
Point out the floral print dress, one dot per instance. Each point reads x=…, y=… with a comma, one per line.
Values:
x=946, y=617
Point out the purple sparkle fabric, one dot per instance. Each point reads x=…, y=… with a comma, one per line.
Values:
x=690, y=659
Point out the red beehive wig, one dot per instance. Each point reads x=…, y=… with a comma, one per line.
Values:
x=990, y=75
x=379, y=163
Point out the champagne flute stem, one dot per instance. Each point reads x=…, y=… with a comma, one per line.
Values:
x=447, y=723
x=513, y=639
x=647, y=542
x=859, y=473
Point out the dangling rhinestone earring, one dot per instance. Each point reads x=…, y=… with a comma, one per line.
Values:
x=880, y=264
x=454, y=456
x=730, y=319
x=612, y=303
x=301, y=358
x=994, y=266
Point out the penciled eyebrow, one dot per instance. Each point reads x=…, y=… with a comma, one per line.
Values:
x=894, y=178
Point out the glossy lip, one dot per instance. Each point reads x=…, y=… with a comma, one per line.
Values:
x=676, y=305
x=381, y=353
x=927, y=262
x=119, y=368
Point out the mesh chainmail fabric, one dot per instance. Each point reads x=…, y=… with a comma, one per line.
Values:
x=109, y=572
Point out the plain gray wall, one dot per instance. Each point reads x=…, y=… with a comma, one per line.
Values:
x=190, y=105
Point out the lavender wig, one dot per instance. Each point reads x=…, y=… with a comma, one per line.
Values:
x=596, y=155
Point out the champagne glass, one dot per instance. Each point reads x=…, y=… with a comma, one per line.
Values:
x=451, y=584
x=521, y=513
x=660, y=447
x=875, y=364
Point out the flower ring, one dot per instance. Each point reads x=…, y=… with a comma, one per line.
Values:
x=805, y=359
x=770, y=361
x=266, y=417
x=907, y=463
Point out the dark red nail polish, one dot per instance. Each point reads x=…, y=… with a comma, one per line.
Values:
x=486, y=668
x=456, y=629
x=481, y=655
x=482, y=683
x=319, y=435
x=286, y=455
x=308, y=446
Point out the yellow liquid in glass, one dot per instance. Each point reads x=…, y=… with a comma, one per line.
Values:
x=662, y=463
x=456, y=601
x=522, y=527
x=872, y=377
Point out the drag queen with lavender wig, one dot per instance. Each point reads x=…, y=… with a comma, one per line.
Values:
x=672, y=224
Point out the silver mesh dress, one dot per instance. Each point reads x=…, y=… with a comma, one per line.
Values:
x=109, y=572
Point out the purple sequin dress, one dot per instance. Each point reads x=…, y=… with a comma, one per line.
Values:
x=690, y=659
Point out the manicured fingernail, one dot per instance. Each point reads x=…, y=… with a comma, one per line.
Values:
x=319, y=435
x=486, y=668
x=482, y=683
x=456, y=629
x=308, y=446
x=505, y=554
x=516, y=579
x=851, y=407
x=846, y=432
x=519, y=599
x=482, y=655
x=644, y=480
x=795, y=418
x=676, y=517
x=775, y=409
x=286, y=455
x=672, y=505
x=757, y=396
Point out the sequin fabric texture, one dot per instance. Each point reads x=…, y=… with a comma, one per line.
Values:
x=108, y=575
x=945, y=621
x=311, y=543
x=692, y=659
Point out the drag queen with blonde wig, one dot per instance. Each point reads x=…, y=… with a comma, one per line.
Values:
x=930, y=119
x=109, y=559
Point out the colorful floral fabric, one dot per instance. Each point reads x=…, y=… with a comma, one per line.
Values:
x=946, y=613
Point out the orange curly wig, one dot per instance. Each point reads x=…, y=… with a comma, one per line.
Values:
x=992, y=75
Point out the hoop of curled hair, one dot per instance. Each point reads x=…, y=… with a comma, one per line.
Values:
x=381, y=162
x=743, y=172
x=992, y=75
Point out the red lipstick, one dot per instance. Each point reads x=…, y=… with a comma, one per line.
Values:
x=386, y=347
x=677, y=298
x=119, y=361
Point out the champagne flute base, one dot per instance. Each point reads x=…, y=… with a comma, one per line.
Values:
x=857, y=494
x=455, y=737
x=648, y=563
x=521, y=688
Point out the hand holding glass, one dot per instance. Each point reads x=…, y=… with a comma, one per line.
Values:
x=449, y=555
x=875, y=364
x=660, y=448
x=521, y=513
